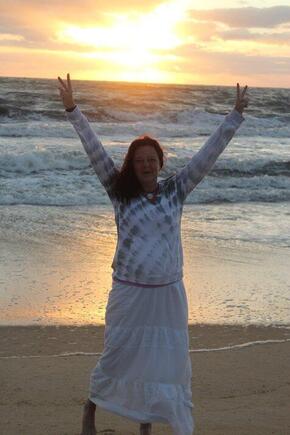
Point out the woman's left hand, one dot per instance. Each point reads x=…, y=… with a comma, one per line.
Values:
x=241, y=100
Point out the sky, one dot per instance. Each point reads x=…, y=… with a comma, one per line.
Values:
x=176, y=41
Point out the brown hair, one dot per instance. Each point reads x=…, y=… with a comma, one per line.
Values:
x=126, y=184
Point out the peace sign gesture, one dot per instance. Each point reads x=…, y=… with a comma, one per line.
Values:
x=241, y=100
x=66, y=93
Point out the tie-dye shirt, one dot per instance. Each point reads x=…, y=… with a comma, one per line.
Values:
x=149, y=249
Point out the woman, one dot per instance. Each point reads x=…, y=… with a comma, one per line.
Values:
x=144, y=372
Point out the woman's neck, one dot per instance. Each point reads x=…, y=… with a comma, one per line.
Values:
x=149, y=188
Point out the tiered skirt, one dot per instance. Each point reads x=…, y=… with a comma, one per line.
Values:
x=144, y=372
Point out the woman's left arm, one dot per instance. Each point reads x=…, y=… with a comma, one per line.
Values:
x=202, y=162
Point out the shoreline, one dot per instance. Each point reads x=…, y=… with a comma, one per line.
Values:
x=235, y=390
x=48, y=340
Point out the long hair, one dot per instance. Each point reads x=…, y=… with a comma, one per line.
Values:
x=126, y=185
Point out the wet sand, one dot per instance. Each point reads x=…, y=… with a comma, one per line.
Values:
x=240, y=384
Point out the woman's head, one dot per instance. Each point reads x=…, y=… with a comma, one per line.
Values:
x=144, y=158
x=142, y=163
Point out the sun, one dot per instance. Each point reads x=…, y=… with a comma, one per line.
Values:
x=137, y=46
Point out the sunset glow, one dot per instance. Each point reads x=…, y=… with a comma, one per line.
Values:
x=177, y=41
x=154, y=30
x=132, y=43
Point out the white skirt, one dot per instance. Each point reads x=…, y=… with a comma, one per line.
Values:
x=144, y=372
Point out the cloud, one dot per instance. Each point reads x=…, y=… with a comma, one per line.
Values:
x=29, y=31
x=85, y=12
x=191, y=58
x=36, y=20
x=199, y=30
x=259, y=26
x=245, y=17
x=10, y=38
x=271, y=38
x=82, y=11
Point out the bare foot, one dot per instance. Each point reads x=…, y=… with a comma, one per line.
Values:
x=145, y=428
x=88, y=422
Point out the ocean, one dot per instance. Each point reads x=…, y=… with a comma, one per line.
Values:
x=57, y=233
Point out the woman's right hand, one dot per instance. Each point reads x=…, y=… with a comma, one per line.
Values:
x=66, y=93
x=241, y=100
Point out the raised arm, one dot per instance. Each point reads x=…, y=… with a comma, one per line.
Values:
x=202, y=162
x=101, y=161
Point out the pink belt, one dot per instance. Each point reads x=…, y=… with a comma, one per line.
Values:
x=144, y=285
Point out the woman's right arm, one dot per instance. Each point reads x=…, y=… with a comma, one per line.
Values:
x=101, y=161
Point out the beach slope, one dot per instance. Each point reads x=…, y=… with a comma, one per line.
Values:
x=240, y=384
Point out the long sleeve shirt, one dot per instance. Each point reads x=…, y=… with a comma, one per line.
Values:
x=149, y=249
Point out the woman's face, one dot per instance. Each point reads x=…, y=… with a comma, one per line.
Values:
x=146, y=165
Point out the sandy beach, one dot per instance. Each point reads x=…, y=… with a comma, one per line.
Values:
x=240, y=384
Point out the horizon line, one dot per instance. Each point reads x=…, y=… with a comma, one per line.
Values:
x=128, y=82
